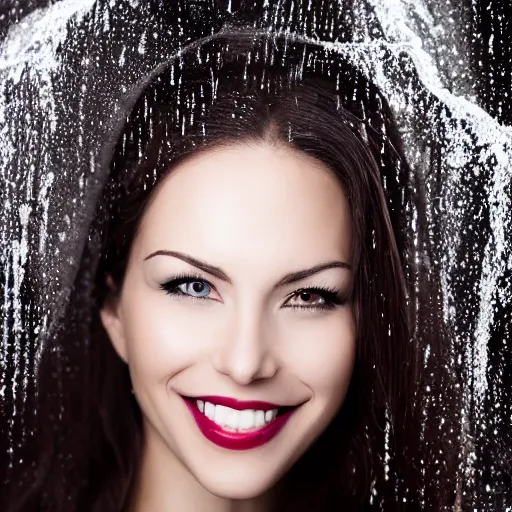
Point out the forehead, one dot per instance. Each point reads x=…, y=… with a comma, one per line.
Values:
x=249, y=199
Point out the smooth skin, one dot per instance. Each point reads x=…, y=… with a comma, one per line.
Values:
x=257, y=211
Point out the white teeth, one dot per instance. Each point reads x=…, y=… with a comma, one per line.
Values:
x=259, y=418
x=221, y=414
x=247, y=419
x=270, y=415
x=209, y=410
x=232, y=419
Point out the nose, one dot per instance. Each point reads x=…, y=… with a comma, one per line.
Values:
x=246, y=354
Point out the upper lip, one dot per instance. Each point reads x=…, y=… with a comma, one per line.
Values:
x=239, y=405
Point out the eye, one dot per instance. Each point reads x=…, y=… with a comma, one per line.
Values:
x=316, y=298
x=193, y=287
x=189, y=286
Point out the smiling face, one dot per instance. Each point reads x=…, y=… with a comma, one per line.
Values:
x=256, y=213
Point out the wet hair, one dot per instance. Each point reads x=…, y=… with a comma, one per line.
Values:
x=378, y=452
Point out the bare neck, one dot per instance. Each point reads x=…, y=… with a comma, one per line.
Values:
x=164, y=484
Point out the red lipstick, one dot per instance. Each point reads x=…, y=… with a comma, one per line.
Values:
x=239, y=405
x=236, y=440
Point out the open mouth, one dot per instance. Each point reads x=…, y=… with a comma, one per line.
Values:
x=237, y=425
x=238, y=420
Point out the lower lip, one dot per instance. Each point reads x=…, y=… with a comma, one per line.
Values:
x=237, y=440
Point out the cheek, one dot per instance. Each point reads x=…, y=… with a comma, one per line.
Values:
x=163, y=335
x=322, y=352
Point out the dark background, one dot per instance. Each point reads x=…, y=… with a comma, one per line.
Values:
x=486, y=28
x=485, y=20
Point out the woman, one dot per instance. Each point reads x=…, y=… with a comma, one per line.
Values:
x=181, y=305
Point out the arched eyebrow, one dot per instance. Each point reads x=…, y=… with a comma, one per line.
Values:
x=220, y=274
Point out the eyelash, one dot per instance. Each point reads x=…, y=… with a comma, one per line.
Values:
x=332, y=297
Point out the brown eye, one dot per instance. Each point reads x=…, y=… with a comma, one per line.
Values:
x=316, y=298
x=308, y=298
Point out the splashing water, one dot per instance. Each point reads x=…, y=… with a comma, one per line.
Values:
x=402, y=46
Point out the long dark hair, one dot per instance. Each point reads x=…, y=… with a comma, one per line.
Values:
x=379, y=450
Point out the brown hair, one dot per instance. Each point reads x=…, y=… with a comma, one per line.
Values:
x=378, y=450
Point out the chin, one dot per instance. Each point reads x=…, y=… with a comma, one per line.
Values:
x=238, y=482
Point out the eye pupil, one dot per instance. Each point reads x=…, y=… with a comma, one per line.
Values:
x=197, y=286
x=305, y=296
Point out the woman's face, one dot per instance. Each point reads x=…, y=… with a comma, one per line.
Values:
x=238, y=220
